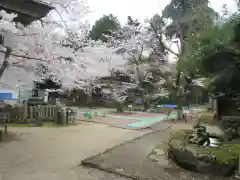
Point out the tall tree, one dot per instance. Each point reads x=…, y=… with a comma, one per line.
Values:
x=214, y=54
x=136, y=41
x=104, y=26
x=188, y=18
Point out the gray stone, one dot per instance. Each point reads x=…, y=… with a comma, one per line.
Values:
x=198, y=158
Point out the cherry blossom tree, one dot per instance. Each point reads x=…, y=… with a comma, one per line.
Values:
x=155, y=39
x=33, y=48
x=54, y=48
x=137, y=44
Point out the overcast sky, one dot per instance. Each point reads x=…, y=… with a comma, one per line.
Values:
x=139, y=9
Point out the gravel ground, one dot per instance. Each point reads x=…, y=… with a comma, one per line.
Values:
x=56, y=153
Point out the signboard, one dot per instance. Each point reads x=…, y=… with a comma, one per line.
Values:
x=6, y=96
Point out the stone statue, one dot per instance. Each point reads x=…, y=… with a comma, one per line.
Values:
x=201, y=137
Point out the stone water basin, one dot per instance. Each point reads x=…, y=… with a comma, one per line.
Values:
x=214, y=142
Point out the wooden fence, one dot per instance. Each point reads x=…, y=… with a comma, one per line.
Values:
x=26, y=114
x=39, y=114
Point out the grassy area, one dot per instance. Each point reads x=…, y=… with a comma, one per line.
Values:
x=225, y=153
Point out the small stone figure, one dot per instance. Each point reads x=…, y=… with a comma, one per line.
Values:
x=201, y=137
x=198, y=126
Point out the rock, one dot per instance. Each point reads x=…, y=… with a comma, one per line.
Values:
x=120, y=170
x=158, y=155
x=159, y=151
x=221, y=160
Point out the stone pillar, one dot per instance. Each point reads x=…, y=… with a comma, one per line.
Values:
x=1, y=136
x=238, y=133
x=238, y=170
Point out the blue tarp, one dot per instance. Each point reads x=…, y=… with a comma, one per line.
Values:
x=139, y=102
x=170, y=105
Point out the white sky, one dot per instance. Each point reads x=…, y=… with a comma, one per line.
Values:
x=139, y=9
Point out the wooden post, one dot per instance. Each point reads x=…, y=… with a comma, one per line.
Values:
x=1, y=135
x=5, y=121
x=38, y=116
x=31, y=117
x=50, y=111
x=5, y=129
x=25, y=112
x=47, y=111
x=53, y=112
x=57, y=113
x=64, y=119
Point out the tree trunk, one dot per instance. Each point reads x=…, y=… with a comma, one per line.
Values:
x=179, y=109
x=5, y=62
x=179, y=112
x=1, y=136
x=146, y=105
x=178, y=77
x=120, y=108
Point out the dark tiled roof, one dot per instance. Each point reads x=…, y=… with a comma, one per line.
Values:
x=27, y=10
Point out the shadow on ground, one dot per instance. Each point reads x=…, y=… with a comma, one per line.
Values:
x=135, y=159
x=10, y=137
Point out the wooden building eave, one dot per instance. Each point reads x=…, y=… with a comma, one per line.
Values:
x=27, y=10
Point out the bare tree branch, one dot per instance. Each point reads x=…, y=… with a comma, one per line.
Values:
x=140, y=55
x=5, y=62
x=158, y=36
x=25, y=57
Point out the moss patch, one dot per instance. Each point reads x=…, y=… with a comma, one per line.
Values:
x=180, y=135
x=179, y=138
x=225, y=153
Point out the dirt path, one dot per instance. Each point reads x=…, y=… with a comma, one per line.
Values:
x=55, y=153
x=135, y=158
